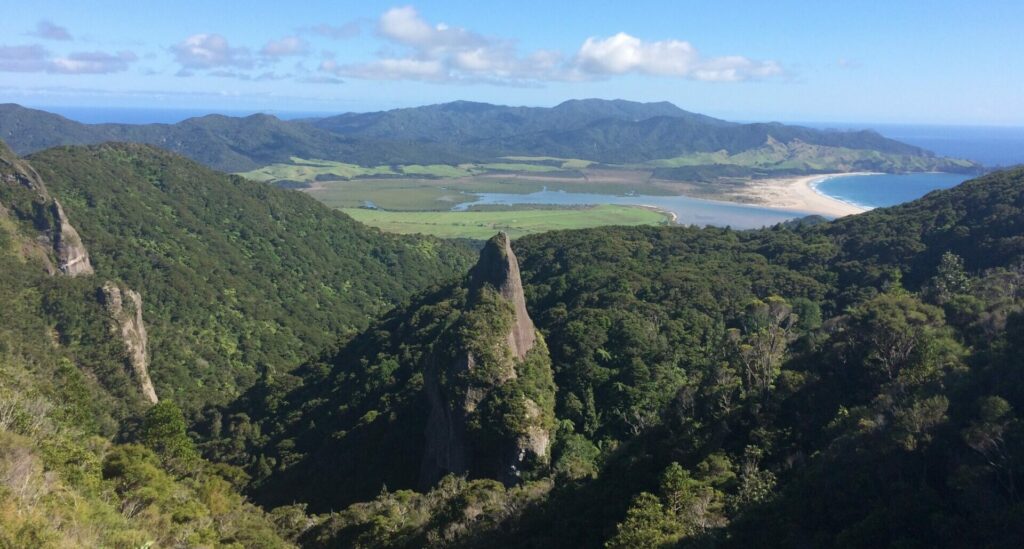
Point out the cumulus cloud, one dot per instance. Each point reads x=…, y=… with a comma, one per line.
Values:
x=344, y=31
x=47, y=30
x=405, y=26
x=287, y=46
x=209, y=51
x=35, y=58
x=442, y=53
x=623, y=54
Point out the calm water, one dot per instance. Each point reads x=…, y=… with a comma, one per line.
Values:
x=688, y=211
x=875, y=191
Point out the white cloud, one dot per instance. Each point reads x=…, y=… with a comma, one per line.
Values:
x=623, y=54
x=47, y=30
x=443, y=53
x=207, y=51
x=289, y=45
x=405, y=26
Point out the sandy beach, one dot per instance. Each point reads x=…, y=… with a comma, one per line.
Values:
x=798, y=193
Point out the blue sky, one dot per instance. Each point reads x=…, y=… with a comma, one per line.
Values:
x=940, y=62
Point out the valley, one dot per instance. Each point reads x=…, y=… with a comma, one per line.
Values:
x=511, y=275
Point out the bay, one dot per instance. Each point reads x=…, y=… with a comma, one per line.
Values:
x=876, y=191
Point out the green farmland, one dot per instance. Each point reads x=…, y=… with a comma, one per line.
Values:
x=483, y=224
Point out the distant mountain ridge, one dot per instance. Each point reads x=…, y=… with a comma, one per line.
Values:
x=603, y=131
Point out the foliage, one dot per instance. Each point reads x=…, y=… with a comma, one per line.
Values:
x=236, y=277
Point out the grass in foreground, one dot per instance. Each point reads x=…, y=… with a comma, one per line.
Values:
x=483, y=224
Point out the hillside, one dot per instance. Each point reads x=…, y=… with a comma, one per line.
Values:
x=610, y=132
x=231, y=144
x=239, y=278
x=711, y=386
x=72, y=384
x=825, y=383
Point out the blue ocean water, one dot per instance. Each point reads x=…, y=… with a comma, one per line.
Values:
x=875, y=191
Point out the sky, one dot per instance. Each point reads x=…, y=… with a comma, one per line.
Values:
x=894, y=61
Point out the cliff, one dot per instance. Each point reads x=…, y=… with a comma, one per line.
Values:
x=125, y=308
x=491, y=409
x=24, y=194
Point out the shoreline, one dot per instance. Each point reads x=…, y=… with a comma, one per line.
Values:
x=863, y=207
x=801, y=193
x=672, y=216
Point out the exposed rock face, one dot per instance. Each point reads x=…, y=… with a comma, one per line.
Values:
x=28, y=198
x=462, y=434
x=125, y=307
x=499, y=267
x=72, y=257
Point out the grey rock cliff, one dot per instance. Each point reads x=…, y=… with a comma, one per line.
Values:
x=499, y=267
x=27, y=197
x=72, y=257
x=455, y=390
x=125, y=307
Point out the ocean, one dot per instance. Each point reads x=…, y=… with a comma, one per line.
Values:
x=876, y=191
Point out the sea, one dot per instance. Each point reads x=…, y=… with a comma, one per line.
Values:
x=879, y=190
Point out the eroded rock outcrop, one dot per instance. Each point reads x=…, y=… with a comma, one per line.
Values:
x=72, y=257
x=23, y=193
x=492, y=407
x=125, y=308
x=498, y=267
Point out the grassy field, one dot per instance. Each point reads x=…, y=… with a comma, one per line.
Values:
x=483, y=224
x=566, y=163
x=414, y=194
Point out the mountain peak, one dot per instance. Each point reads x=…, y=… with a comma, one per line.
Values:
x=499, y=268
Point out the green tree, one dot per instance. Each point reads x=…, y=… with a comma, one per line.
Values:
x=164, y=431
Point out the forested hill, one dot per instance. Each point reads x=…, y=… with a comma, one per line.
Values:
x=614, y=132
x=226, y=143
x=135, y=283
x=850, y=383
x=238, y=278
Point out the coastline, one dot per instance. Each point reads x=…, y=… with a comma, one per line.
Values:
x=672, y=216
x=801, y=193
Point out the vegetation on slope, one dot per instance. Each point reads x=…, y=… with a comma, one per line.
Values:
x=238, y=278
x=66, y=396
x=844, y=383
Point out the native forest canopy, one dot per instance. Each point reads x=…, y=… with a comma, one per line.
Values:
x=190, y=358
